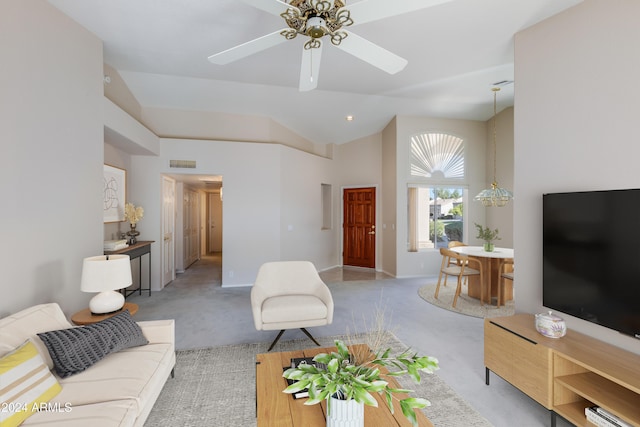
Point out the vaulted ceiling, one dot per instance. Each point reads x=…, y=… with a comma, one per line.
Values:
x=456, y=51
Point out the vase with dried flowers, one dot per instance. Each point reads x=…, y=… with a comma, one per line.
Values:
x=133, y=214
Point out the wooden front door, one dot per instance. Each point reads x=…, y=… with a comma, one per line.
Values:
x=359, y=227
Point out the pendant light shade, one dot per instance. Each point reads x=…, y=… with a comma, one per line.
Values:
x=494, y=196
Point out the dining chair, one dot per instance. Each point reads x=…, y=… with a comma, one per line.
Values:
x=462, y=267
x=506, y=271
x=453, y=244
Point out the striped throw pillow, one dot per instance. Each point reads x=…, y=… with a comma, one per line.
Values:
x=25, y=383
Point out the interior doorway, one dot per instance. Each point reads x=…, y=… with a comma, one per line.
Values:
x=214, y=223
x=197, y=210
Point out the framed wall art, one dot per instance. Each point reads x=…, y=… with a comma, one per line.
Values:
x=114, y=192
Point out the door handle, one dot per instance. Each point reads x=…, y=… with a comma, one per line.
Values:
x=372, y=232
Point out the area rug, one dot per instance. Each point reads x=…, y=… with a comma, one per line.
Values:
x=465, y=305
x=215, y=387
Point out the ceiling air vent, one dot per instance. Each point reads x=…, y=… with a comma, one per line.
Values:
x=183, y=164
x=502, y=83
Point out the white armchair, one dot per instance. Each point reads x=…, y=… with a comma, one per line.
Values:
x=290, y=295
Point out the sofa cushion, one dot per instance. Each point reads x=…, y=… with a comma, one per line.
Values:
x=293, y=308
x=25, y=384
x=15, y=329
x=74, y=350
x=136, y=374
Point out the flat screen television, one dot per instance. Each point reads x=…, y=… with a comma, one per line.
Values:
x=591, y=257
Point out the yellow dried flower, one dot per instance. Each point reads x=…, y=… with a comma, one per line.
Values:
x=132, y=213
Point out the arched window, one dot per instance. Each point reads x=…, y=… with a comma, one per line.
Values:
x=437, y=191
x=437, y=155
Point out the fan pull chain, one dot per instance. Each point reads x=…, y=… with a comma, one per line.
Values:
x=311, y=64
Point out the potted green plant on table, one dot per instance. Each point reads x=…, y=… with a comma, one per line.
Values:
x=349, y=377
x=488, y=235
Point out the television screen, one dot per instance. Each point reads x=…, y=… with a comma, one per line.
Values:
x=591, y=257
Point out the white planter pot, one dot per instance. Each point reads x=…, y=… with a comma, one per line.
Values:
x=345, y=413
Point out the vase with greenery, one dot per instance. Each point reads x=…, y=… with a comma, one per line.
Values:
x=355, y=372
x=488, y=235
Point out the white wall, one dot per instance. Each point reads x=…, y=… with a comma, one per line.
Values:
x=118, y=158
x=302, y=237
x=501, y=218
x=358, y=164
x=267, y=187
x=389, y=172
x=576, y=124
x=51, y=139
x=172, y=123
x=474, y=134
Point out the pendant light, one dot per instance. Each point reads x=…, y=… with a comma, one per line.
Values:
x=494, y=196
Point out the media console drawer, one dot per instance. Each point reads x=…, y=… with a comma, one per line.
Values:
x=519, y=360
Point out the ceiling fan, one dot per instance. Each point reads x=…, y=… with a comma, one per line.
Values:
x=319, y=18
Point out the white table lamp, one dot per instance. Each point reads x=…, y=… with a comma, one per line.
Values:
x=105, y=274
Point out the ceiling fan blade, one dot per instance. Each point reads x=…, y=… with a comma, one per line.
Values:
x=274, y=7
x=372, y=10
x=372, y=53
x=310, y=68
x=248, y=48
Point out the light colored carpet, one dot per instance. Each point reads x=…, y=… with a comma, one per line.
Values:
x=465, y=305
x=215, y=387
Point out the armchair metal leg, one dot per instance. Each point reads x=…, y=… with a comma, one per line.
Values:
x=282, y=332
x=309, y=335
x=276, y=340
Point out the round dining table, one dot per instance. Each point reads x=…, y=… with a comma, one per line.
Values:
x=490, y=272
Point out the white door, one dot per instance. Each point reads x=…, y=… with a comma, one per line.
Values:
x=191, y=226
x=168, y=227
x=215, y=222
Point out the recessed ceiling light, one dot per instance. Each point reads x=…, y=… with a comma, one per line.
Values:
x=349, y=118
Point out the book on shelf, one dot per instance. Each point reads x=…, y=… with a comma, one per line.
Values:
x=613, y=418
x=603, y=418
x=596, y=419
x=296, y=361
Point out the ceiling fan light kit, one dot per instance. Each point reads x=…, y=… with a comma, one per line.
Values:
x=316, y=27
x=319, y=18
x=316, y=19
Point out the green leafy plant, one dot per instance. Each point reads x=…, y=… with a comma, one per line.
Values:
x=486, y=234
x=344, y=375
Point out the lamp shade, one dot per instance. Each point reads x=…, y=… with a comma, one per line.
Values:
x=105, y=273
x=495, y=196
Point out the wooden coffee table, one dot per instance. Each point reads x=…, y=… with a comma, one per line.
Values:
x=275, y=408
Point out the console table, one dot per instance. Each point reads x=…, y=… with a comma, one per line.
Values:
x=565, y=375
x=86, y=317
x=137, y=250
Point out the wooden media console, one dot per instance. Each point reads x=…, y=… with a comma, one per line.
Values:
x=565, y=375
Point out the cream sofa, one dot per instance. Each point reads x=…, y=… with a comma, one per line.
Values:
x=119, y=390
